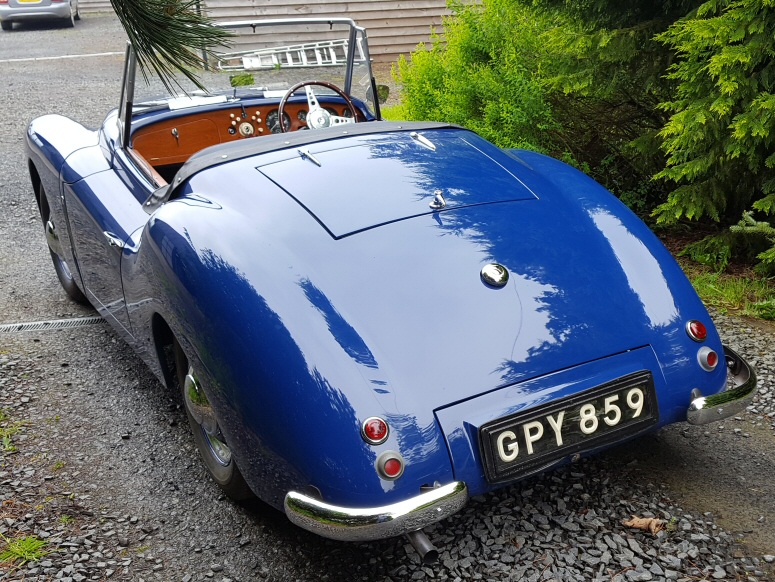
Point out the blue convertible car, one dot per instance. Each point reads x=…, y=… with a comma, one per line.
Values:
x=369, y=321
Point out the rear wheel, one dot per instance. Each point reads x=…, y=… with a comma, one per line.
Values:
x=6, y=24
x=213, y=449
x=61, y=267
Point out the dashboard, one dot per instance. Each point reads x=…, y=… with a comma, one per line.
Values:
x=173, y=141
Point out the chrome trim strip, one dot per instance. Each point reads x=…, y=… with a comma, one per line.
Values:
x=705, y=409
x=421, y=139
x=354, y=524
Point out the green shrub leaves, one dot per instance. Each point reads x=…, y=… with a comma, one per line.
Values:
x=484, y=74
x=719, y=138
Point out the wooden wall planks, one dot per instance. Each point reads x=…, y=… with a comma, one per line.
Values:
x=394, y=26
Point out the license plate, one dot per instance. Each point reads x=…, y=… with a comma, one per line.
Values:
x=526, y=442
x=28, y=1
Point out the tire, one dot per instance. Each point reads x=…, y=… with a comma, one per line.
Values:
x=6, y=24
x=61, y=267
x=70, y=20
x=66, y=279
x=212, y=447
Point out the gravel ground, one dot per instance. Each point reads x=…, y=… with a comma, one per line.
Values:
x=105, y=471
x=100, y=465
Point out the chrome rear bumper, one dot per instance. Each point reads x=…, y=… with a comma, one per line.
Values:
x=365, y=524
x=705, y=409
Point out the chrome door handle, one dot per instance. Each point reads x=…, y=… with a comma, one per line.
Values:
x=113, y=240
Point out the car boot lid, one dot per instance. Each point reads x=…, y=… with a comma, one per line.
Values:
x=383, y=178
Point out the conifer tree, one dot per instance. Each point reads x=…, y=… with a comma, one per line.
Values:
x=719, y=139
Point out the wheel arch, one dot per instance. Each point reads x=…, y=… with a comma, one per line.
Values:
x=36, y=181
x=171, y=355
x=164, y=347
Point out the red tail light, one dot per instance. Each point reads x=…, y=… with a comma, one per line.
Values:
x=707, y=358
x=697, y=330
x=390, y=465
x=374, y=430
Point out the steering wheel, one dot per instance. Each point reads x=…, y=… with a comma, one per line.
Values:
x=317, y=116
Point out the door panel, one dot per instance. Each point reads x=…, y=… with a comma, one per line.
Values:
x=103, y=214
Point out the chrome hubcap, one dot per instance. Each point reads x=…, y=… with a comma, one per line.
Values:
x=220, y=450
x=204, y=415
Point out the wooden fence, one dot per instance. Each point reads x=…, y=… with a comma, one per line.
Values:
x=394, y=27
x=90, y=6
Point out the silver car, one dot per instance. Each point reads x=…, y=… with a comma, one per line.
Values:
x=18, y=10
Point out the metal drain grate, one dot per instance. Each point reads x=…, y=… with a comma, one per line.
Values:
x=53, y=324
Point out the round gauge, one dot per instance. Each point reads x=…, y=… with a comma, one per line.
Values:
x=245, y=129
x=302, y=116
x=331, y=110
x=347, y=112
x=272, y=121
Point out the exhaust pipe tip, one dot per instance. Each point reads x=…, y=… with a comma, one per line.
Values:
x=420, y=542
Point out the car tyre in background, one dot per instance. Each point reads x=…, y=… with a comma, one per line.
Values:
x=6, y=24
x=211, y=444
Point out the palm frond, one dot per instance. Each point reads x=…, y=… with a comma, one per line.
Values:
x=169, y=36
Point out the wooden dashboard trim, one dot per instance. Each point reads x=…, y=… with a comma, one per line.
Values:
x=173, y=141
x=146, y=168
